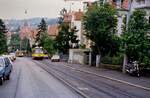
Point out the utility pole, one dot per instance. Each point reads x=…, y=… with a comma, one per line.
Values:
x=127, y=21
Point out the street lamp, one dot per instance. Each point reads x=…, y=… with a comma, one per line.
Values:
x=127, y=21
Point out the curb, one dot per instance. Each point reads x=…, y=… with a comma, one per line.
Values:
x=113, y=79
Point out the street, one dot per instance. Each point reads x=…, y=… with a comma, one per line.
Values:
x=30, y=81
x=45, y=79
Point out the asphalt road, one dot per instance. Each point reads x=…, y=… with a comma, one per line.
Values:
x=30, y=81
x=91, y=85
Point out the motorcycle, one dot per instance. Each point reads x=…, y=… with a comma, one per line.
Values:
x=133, y=69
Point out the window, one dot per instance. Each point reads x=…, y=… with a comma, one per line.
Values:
x=1, y=63
x=6, y=62
x=141, y=2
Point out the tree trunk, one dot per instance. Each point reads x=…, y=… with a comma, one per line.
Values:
x=90, y=58
x=98, y=60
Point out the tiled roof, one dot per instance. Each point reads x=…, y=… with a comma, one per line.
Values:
x=28, y=32
x=67, y=17
x=53, y=30
x=78, y=15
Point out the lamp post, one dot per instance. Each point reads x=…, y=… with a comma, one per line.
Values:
x=127, y=21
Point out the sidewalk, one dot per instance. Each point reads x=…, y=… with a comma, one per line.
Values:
x=141, y=81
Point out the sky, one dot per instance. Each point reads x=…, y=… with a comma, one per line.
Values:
x=15, y=9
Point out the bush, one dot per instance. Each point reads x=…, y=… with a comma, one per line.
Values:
x=115, y=60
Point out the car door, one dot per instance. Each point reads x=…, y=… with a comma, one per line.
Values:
x=7, y=66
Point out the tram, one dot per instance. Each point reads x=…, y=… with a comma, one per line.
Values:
x=38, y=53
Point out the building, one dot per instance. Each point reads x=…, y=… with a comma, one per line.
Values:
x=76, y=21
x=142, y=4
x=26, y=31
x=53, y=30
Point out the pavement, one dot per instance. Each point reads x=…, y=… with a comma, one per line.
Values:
x=141, y=82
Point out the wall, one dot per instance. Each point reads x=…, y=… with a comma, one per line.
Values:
x=77, y=56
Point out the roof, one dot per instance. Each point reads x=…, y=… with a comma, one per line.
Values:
x=53, y=30
x=78, y=15
x=28, y=32
x=3, y=56
x=67, y=17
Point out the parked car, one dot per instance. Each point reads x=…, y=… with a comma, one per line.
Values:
x=19, y=53
x=55, y=58
x=13, y=55
x=9, y=56
x=5, y=69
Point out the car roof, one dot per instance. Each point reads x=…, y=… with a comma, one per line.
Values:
x=2, y=57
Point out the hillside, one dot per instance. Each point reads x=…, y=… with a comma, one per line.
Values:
x=14, y=24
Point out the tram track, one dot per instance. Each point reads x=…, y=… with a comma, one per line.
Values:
x=116, y=91
x=55, y=75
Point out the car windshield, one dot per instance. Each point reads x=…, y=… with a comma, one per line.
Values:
x=1, y=63
x=38, y=51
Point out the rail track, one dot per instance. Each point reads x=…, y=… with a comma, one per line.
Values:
x=90, y=88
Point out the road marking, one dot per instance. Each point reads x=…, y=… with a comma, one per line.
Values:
x=83, y=89
x=113, y=79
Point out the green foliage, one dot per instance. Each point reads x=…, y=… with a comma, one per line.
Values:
x=42, y=28
x=25, y=45
x=43, y=39
x=48, y=44
x=3, y=39
x=29, y=50
x=115, y=60
x=100, y=24
x=66, y=39
x=136, y=40
x=14, y=42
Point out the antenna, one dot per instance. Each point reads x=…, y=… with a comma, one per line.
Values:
x=25, y=11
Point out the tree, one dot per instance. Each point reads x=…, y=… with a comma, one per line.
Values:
x=136, y=38
x=14, y=42
x=48, y=44
x=3, y=38
x=100, y=25
x=28, y=48
x=42, y=28
x=67, y=37
x=25, y=44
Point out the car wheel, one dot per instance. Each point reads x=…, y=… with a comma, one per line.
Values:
x=8, y=77
x=1, y=81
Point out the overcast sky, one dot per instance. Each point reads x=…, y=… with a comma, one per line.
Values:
x=15, y=9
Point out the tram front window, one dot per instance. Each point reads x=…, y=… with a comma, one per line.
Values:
x=38, y=51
